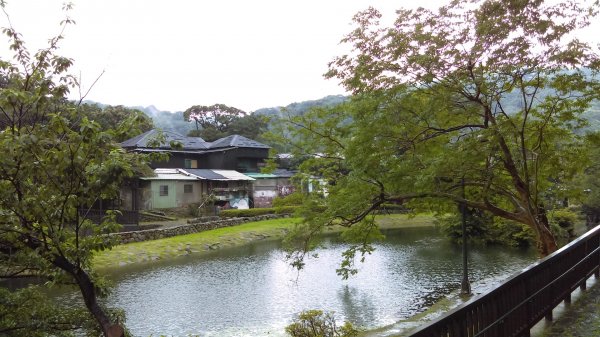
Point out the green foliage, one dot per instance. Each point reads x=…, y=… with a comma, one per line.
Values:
x=315, y=323
x=388, y=208
x=451, y=100
x=28, y=313
x=511, y=233
x=56, y=164
x=360, y=236
x=589, y=183
x=294, y=199
x=478, y=225
x=111, y=117
x=565, y=218
x=219, y=120
x=486, y=230
x=563, y=221
x=279, y=136
x=240, y=213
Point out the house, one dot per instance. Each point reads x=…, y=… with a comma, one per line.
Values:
x=170, y=188
x=267, y=186
x=229, y=188
x=196, y=170
x=234, y=152
x=175, y=188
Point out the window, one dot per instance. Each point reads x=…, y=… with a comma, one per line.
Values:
x=164, y=190
x=191, y=163
x=188, y=188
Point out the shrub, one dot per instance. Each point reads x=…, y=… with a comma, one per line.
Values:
x=193, y=209
x=294, y=199
x=510, y=233
x=315, y=323
x=485, y=229
x=562, y=222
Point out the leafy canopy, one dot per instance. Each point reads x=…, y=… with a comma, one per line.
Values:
x=486, y=92
x=219, y=120
x=56, y=164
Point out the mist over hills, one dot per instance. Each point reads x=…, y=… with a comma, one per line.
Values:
x=174, y=121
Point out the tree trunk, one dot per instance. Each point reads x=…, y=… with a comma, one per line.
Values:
x=546, y=243
x=88, y=291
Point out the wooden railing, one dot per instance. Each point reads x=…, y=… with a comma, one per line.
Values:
x=523, y=300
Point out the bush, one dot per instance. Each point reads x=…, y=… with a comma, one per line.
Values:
x=562, y=222
x=294, y=199
x=193, y=209
x=485, y=229
x=510, y=233
x=315, y=323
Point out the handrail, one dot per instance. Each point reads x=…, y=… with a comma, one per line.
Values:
x=513, y=307
x=528, y=299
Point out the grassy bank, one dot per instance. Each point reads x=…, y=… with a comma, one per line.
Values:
x=198, y=243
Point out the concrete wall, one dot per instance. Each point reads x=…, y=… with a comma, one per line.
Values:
x=265, y=190
x=163, y=201
x=151, y=198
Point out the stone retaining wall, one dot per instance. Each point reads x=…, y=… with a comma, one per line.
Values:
x=194, y=226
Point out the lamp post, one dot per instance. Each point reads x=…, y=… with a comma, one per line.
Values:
x=465, y=286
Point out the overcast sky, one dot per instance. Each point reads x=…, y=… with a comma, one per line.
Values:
x=178, y=53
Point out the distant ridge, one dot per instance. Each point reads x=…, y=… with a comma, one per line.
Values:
x=173, y=121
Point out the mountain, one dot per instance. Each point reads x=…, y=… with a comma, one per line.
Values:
x=167, y=120
x=300, y=108
x=174, y=121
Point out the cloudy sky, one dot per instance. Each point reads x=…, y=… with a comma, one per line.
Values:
x=178, y=53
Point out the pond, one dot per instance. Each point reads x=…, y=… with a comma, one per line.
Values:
x=251, y=290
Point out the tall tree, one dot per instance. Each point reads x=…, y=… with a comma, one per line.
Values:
x=55, y=165
x=590, y=183
x=216, y=116
x=219, y=120
x=488, y=93
x=109, y=118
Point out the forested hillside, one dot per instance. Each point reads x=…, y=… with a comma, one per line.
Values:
x=300, y=108
x=175, y=121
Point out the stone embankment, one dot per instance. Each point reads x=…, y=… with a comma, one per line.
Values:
x=193, y=226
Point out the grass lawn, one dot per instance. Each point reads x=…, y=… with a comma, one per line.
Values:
x=147, y=251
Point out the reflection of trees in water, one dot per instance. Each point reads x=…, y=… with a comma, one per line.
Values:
x=357, y=307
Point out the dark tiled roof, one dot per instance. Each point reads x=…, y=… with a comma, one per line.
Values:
x=143, y=141
x=190, y=143
x=237, y=141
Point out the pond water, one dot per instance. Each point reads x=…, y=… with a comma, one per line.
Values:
x=251, y=290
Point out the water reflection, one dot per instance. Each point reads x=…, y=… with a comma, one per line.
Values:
x=252, y=291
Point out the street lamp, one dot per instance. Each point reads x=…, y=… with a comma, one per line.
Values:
x=465, y=286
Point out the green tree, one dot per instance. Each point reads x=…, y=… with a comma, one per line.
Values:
x=110, y=117
x=589, y=184
x=315, y=323
x=55, y=165
x=489, y=92
x=219, y=120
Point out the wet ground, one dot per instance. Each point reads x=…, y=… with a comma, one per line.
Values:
x=579, y=319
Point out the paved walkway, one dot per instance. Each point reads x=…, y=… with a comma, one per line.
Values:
x=579, y=319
